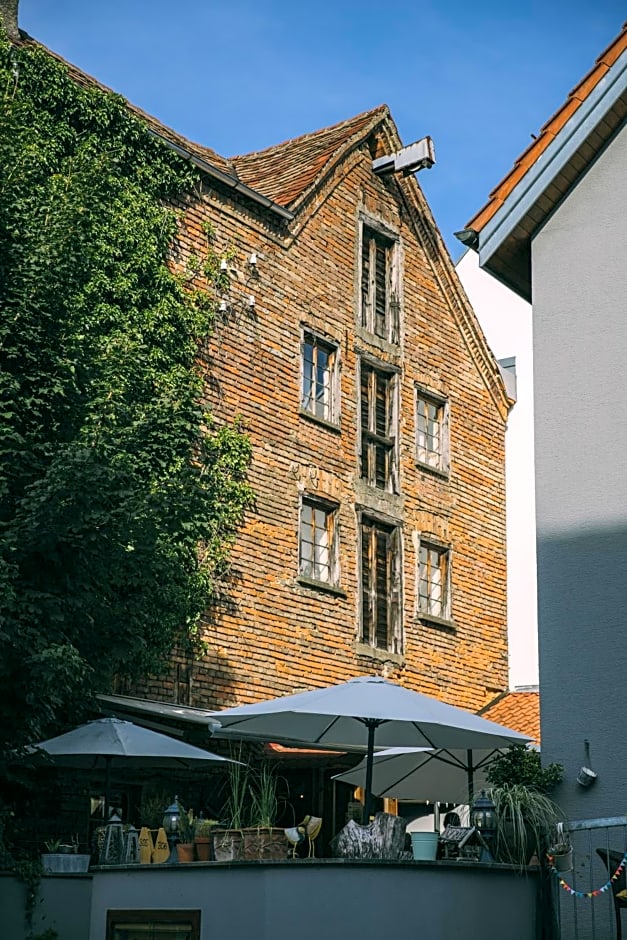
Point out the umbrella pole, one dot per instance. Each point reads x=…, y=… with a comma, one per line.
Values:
x=371, y=725
x=471, y=779
x=107, y=788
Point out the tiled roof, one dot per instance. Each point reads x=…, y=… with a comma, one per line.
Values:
x=281, y=173
x=519, y=711
x=550, y=130
x=285, y=171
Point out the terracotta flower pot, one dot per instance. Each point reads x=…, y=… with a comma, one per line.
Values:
x=185, y=851
x=203, y=848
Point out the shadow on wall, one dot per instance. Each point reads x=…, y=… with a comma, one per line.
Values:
x=582, y=615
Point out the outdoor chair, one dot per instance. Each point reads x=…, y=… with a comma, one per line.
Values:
x=612, y=859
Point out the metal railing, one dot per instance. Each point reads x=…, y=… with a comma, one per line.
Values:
x=581, y=914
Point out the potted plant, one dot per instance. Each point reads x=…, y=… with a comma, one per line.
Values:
x=203, y=833
x=185, y=848
x=63, y=857
x=526, y=816
x=560, y=851
x=228, y=840
x=262, y=840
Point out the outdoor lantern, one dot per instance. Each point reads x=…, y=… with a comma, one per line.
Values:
x=483, y=816
x=113, y=845
x=171, y=820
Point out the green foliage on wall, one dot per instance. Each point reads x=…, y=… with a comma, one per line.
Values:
x=118, y=499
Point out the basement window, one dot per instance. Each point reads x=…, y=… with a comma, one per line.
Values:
x=153, y=925
x=381, y=604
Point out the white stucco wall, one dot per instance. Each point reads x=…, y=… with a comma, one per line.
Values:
x=506, y=321
x=579, y=262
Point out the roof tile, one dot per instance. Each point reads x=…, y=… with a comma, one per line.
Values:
x=550, y=130
x=285, y=171
x=519, y=711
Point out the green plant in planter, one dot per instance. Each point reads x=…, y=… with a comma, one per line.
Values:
x=186, y=823
x=204, y=827
x=264, y=800
x=525, y=818
x=521, y=765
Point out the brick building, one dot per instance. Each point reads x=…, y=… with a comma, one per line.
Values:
x=377, y=415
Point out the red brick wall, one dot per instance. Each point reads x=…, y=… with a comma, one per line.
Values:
x=271, y=635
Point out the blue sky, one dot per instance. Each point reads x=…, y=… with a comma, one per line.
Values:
x=238, y=76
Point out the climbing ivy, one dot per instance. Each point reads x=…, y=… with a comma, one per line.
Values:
x=119, y=500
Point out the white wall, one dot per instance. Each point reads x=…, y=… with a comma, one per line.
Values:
x=506, y=321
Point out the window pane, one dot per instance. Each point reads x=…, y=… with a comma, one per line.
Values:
x=318, y=363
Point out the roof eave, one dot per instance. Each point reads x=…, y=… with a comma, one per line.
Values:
x=231, y=181
x=508, y=223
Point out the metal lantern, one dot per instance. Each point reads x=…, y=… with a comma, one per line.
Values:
x=113, y=846
x=171, y=820
x=483, y=816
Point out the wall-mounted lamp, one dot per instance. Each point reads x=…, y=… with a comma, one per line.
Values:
x=223, y=306
x=251, y=301
x=223, y=265
x=253, y=259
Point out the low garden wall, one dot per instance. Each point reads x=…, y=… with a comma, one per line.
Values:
x=331, y=898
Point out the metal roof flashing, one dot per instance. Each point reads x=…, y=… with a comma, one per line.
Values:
x=551, y=163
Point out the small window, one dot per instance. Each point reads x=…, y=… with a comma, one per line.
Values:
x=379, y=285
x=153, y=925
x=379, y=424
x=434, y=581
x=381, y=607
x=318, y=542
x=320, y=386
x=432, y=431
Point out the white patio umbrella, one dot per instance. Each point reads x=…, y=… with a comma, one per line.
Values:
x=109, y=743
x=418, y=774
x=355, y=713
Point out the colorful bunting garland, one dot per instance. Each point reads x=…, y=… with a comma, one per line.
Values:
x=588, y=894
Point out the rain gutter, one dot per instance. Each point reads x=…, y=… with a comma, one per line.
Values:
x=550, y=163
x=226, y=179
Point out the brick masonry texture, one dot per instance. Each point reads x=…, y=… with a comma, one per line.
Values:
x=271, y=634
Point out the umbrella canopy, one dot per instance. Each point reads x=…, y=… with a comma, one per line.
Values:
x=409, y=773
x=108, y=743
x=355, y=713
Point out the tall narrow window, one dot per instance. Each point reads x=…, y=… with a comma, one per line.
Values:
x=379, y=285
x=319, y=391
x=318, y=542
x=381, y=609
x=434, y=581
x=432, y=430
x=379, y=424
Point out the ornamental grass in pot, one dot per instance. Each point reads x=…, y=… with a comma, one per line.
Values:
x=526, y=815
x=251, y=811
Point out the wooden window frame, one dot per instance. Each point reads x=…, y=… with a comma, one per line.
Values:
x=379, y=247
x=425, y=608
x=154, y=916
x=441, y=464
x=309, y=398
x=330, y=510
x=380, y=627
x=375, y=446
